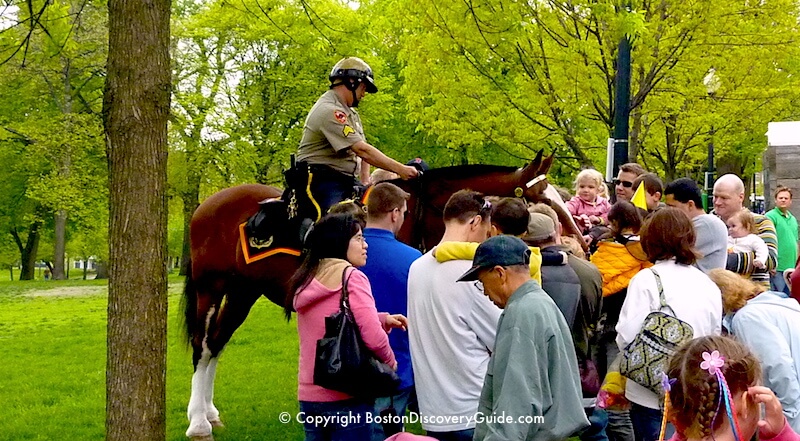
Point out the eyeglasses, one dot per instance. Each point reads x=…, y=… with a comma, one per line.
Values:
x=626, y=184
x=358, y=238
x=479, y=285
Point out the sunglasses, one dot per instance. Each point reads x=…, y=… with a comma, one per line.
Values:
x=626, y=184
x=486, y=208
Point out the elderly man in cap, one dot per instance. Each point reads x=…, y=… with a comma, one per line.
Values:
x=532, y=372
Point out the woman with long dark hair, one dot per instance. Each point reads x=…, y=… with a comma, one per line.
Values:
x=336, y=249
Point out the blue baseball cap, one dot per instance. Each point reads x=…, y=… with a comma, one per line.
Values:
x=502, y=250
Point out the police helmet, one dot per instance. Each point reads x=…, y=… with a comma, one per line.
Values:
x=355, y=69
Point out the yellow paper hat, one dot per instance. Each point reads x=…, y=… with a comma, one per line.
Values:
x=638, y=198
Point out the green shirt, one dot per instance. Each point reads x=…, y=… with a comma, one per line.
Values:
x=330, y=130
x=786, y=229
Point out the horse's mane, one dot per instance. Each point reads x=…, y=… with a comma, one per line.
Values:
x=457, y=172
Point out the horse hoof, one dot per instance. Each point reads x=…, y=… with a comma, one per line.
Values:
x=201, y=431
x=216, y=423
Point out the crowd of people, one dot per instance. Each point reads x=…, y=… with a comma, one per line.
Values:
x=502, y=317
x=506, y=330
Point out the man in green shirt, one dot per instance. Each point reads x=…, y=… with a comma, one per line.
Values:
x=532, y=389
x=786, y=229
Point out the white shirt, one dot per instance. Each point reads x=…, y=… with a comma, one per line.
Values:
x=451, y=330
x=693, y=297
x=749, y=243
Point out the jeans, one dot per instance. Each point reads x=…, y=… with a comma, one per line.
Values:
x=460, y=435
x=647, y=423
x=598, y=420
x=349, y=424
x=619, y=425
x=400, y=402
x=778, y=283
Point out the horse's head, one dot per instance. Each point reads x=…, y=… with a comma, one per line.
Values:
x=533, y=178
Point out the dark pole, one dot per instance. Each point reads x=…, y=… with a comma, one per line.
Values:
x=622, y=98
x=710, y=173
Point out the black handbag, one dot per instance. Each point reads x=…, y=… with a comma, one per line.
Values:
x=343, y=363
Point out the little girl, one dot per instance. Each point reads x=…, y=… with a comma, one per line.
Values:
x=712, y=392
x=741, y=238
x=587, y=206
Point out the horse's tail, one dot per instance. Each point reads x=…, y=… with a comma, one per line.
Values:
x=189, y=304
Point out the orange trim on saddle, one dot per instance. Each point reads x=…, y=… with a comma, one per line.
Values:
x=252, y=258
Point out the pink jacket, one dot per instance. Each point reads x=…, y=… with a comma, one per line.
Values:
x=599, y=208
x=313, y=304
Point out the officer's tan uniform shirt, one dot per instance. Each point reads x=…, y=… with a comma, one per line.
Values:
x=330, y=129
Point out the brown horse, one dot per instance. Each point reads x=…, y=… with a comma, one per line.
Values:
x=221, y=287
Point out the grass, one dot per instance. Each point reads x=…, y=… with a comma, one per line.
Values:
x=53, y=386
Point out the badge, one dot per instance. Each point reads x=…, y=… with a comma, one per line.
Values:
x=340, y=116
x=347, y=130
x=518, y=192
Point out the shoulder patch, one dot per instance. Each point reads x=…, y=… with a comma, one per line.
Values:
x=340, y=116
x=347, y=130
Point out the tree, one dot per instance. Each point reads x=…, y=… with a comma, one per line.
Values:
x=51, y=111
x=135, y=111
x=516, y=76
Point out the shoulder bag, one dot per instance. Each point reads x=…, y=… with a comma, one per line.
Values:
x=343, y=362
x=646, y=357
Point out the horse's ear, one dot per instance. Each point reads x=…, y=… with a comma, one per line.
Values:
x=537, y=161
x=531, y=170
x=545, y=167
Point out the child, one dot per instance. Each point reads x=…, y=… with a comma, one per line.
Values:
x=741, y=238
x=587, y=206
x=712, y=392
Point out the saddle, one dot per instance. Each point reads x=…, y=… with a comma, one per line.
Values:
x=277, y=222
x=285, y=222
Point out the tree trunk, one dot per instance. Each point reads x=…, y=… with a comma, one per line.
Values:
x=11, y=271
x=636, y=132
x=669, y=162
x=60, y=244
x=191, y=200
x=27, y=251
x=60, y=241
x=135, y=111
x=102, y=270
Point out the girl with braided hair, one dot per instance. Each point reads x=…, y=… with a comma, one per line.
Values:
x=712, y=391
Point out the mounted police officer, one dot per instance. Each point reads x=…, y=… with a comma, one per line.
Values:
x=333, y=146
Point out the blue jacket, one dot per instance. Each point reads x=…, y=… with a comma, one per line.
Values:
x=768, y=325
x=388, y=261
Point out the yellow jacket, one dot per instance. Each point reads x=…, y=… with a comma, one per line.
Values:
x=466, y=251
x=618, y=264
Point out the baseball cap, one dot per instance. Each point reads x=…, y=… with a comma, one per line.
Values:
x=502, y=250
x=540, y=227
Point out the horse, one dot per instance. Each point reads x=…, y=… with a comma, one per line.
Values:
x=221, y=287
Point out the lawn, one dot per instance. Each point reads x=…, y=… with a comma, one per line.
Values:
x=53, y=385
